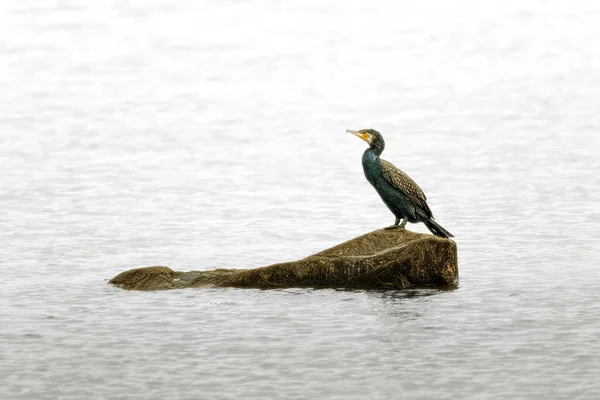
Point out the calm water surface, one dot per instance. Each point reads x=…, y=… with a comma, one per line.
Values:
x=201, y=134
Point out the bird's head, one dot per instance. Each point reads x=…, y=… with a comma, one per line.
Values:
x=371, y=136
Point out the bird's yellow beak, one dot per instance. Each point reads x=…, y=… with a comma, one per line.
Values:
x=363, y=136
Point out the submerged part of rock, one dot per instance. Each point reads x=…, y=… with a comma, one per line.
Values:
x=382, y=259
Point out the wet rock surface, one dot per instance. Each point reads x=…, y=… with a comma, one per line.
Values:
x=382, y=259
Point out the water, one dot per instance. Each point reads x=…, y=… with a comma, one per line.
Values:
x=211, y=134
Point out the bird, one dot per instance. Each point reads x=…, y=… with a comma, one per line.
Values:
x=399, y=192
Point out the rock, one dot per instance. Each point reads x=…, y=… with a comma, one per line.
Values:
x=382, y=259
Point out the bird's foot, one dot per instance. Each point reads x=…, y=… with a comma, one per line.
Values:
x=389, y=228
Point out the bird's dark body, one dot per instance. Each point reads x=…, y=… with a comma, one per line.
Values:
x=399, y=192
x=398, y=203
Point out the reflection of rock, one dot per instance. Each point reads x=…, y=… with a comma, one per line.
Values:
x=382, y=259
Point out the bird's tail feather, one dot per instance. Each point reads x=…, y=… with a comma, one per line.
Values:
x=437, y=229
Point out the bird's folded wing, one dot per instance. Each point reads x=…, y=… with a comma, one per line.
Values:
x=405, y=184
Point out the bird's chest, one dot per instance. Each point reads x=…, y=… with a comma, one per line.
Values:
x=373, y=172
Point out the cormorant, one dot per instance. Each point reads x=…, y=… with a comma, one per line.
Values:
x=401, y=195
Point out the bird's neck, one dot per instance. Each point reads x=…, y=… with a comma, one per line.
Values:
x=374, y=152
x=371, y=165
x=370, y=158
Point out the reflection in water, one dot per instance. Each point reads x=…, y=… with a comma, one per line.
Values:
x=398, y=296
x=405, y=305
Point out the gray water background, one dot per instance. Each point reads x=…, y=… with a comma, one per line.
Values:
x=200, y=134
